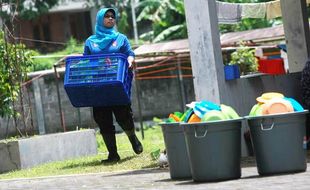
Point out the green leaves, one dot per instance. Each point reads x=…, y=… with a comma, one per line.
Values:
x=14, y=63
x=149, y=7
x=170, y=32
x=27, y=9
x=44, y=63
x=167, y=16
x=245, y=58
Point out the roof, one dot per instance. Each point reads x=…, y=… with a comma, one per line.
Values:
x=171, y=46
x=227, y=39
x=264, y=34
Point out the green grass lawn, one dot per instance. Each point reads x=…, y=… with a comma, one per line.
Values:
x=129, y=160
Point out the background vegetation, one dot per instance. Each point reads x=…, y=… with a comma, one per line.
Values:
x=15, y=62
x=168, y=19
x=47, y=62
x=26, y=9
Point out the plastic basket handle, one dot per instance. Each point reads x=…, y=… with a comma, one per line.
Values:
x=266, y=129
x=200, y=137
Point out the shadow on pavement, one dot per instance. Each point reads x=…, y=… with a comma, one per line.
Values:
x=95, y=163
x=137, y=172
x=271, y=175
x=187, y=181
x=191, y=182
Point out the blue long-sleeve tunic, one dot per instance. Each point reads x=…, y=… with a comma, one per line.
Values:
x=119, y=45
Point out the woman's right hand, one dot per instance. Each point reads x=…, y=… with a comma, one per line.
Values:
x=130, y=60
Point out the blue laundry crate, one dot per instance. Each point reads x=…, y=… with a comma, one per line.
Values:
x=98, y=80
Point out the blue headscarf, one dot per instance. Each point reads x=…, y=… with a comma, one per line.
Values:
x=103, y=36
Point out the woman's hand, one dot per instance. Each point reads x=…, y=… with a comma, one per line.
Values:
x=130, y=60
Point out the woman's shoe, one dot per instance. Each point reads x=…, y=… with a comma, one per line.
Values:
x=111, y=158
x=136, y=144
x=110, y=142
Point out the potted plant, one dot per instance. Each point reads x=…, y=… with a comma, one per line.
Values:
x=245, y=58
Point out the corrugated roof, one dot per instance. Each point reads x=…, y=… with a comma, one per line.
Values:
x=253, y=35
x=228, y=39
x=171, y=46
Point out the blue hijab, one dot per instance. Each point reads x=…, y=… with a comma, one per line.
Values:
x=103, y=36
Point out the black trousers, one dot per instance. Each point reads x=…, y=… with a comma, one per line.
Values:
x=104, y=118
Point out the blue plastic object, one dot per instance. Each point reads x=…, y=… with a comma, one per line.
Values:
x=295, y=104
x=283, y=47
x=231, y=72
x=201, y=108
x=274, y=57
x=98, y=80
x=188, y=115
x=210, y=105
x=236, y=71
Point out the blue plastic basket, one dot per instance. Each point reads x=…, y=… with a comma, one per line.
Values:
x=98, y=80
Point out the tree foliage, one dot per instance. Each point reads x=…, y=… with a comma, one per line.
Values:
x=26, y=9
x=168, y=19
x=14, y=63
x=167, y=16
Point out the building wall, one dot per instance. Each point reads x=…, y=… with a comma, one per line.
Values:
x=56, y=28
x=27, y=32
x=57, y=31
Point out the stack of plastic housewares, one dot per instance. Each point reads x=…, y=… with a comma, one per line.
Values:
x=209, y=145
x=277, y=127
x=206, y=139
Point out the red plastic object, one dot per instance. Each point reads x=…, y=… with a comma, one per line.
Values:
x=271, y=66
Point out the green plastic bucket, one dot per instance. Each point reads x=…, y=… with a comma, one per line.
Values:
x=214, y=149
x=279, y=142
x=176, y=151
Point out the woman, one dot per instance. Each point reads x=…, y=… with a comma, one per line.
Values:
x=107, y=40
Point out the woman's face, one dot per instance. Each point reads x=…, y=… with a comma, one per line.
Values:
x=109, y=19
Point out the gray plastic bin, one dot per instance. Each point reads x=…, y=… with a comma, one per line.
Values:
x=176, y=151
x=214, y=149
x=278, y=142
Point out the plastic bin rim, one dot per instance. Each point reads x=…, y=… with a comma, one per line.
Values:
x=95, y=84
x=276, y=115
x=97, y=55
x=163, y=123
x=214, y=122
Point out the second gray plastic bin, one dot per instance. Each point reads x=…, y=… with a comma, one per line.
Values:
x=214, y=149
x=176, y=151
x=279, y=142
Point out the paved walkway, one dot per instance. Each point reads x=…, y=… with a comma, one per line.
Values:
x=158, y=179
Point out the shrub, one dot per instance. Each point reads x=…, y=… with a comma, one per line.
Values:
x=15, y=62
x=245, y=58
